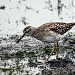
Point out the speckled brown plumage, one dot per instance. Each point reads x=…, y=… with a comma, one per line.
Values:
x=57, y=27
x=49, y=31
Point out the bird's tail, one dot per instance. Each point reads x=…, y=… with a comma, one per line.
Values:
x=69, y=26
x=72, y=24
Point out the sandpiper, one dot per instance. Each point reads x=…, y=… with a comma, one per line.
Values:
x=48, y=32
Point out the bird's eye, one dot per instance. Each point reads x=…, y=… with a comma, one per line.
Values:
x=28, y=29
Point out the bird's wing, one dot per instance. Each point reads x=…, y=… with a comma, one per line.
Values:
x=59, y=27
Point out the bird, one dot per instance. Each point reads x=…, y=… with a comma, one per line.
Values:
x=51, y=32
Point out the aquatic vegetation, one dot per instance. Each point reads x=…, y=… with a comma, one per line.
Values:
x=26, y=61
x=31, y=54
x=19, y=54
x=47, y=50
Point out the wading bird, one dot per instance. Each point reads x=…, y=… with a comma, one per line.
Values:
x=48, y=32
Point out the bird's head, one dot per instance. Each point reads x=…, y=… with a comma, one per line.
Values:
x=27, y=31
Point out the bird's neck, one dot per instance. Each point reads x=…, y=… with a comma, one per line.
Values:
x=33, y=31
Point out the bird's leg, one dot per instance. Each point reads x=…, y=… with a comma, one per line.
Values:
x=54, y=48
x=57, y=50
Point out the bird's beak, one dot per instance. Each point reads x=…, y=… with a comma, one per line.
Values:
x=20, y=38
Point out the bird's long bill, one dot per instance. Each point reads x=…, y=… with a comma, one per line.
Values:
x=20, y=38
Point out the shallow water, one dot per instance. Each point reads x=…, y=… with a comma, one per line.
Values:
x=27, y=57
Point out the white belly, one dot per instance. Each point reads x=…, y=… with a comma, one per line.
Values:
x=51, y=39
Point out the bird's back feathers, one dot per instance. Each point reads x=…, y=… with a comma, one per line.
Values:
x=58, y=27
